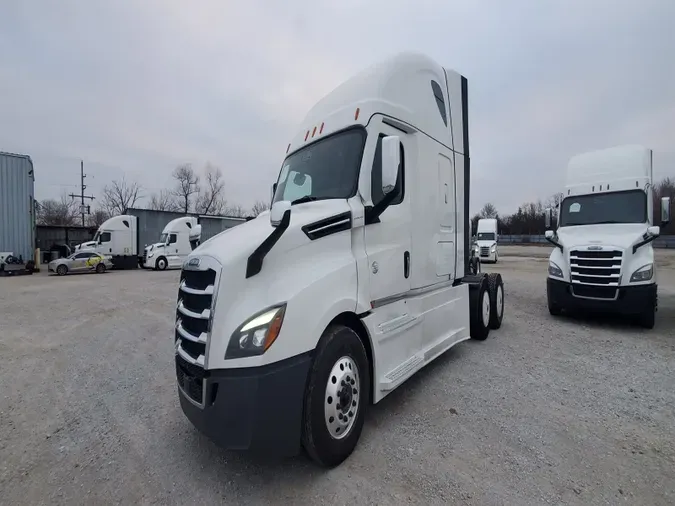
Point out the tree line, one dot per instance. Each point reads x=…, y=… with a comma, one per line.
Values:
x=529, y=218
x=190, y=192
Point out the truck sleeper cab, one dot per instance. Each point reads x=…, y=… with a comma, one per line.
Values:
x=289, y=325
x=179, y=237
x=603, y=259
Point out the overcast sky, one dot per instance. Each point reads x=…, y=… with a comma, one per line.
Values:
x=135, y=87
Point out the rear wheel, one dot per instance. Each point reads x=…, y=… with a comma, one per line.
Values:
x=336, y=397
x=496, y=287
x=479, y=306
x=62, y=270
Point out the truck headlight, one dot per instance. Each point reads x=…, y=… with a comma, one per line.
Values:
x=554, y=270
x=644, y=273
x=256, y=334
x=150, y=254
x=493, y=248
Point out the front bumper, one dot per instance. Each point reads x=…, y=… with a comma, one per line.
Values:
x=258, y=409
x=629, y=299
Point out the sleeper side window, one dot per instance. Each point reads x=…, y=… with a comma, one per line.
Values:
x=440, y=101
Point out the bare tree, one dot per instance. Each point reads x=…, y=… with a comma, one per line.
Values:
x=212, y=199
x=165, y=200
x=488, y=211
x=120, y=195
x=187, y=184
x=259, y=207
x=236, y=211
x=63, y=212
x=96, y=218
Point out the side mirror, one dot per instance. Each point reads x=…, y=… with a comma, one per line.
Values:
x=278, y=210
x=274, y=189
x=654, y=231
x=548, y=217
x=665, y=211
x=391, y=159
x=548, y=234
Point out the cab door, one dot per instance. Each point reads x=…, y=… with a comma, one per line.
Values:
x=388, y=239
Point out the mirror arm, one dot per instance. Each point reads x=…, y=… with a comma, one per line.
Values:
x=373, y=212
x=555, y=243
x=646, y=239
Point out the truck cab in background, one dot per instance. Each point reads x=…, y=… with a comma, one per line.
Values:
x=117, y=237
x=603, y=257
x=178, y=239
x=487, y=240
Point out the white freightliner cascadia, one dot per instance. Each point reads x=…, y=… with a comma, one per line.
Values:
x=603, y=257
x=179, y=237
x=486, y=239
x=290, y=325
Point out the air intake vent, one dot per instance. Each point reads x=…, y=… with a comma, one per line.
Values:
x=328, y=226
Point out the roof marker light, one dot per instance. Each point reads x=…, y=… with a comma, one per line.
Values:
x=356, y=114
x=321, y=129
x=289, y=147
x=314, y=132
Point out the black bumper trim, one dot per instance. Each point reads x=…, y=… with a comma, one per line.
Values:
x=257, y=409
x=630, y=300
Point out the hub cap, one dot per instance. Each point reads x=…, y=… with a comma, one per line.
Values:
x=486, y=308
x=341, y=402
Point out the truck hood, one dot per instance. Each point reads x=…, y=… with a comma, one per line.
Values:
x=237, y=243
x=619, y=235
x=154, y=246
x=486, y=243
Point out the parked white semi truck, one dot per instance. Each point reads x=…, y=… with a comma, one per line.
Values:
x=603, y=257
x=178, y=239
x=118, y=237
x=486, y=239
x=290, y=325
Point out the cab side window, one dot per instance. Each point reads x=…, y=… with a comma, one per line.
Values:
x=105, y=237
x=173, y=238
x=376, y=176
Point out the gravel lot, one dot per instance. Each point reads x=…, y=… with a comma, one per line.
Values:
x=546, y=411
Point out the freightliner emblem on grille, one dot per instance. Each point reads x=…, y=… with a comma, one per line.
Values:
x=595, y=248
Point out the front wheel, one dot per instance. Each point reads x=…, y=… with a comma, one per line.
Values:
x=161, y=264
x=647, y=319
x=62, y=270
x=336, y=397
x=100, y=269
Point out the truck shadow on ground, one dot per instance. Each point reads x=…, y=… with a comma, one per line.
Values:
x=262, y=470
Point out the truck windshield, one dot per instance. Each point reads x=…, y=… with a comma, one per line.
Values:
x=617, y=207
x=485, y=236
x=326, y=169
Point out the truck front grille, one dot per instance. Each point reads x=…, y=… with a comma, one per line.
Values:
x=194, y=314
x=190, y=379
x=484, y=251
x=601, y=269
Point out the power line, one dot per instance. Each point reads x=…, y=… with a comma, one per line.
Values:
x=83, y=209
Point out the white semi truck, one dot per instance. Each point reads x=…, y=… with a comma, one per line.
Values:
x=486, y=239
x=290, y=325
x=603, y=257
x=178, y=239
x=118, y=237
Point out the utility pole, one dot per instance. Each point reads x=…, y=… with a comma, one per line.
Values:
x=83, y=209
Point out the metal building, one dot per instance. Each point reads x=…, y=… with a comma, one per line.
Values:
x=17, y=205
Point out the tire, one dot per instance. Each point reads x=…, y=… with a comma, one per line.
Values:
x=479, y=298
x=553, y=308
x=326, y=439
x=161, y=264
x=100, y=269
x=496, y=256
x=62, y=270
x=496, y=287
x=647, y=319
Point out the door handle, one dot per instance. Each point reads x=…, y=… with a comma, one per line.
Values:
x=406, y=264
x=446, y=193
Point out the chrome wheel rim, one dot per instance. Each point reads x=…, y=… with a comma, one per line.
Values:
x=500, y=300
x=486, y=308
x=341, y=401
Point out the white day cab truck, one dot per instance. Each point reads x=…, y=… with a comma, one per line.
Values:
x=486, y=240
x=603, y=257
x=290, y=325
x=178, y=239
x=118, y=237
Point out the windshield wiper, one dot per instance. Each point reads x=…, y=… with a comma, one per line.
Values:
x=302, y=200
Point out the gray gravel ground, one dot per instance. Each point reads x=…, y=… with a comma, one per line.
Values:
x=546, y=411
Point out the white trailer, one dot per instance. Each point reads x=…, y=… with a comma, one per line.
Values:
x=178, y=239
x=487, y=238
x=603, y=257
x=290, y=325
